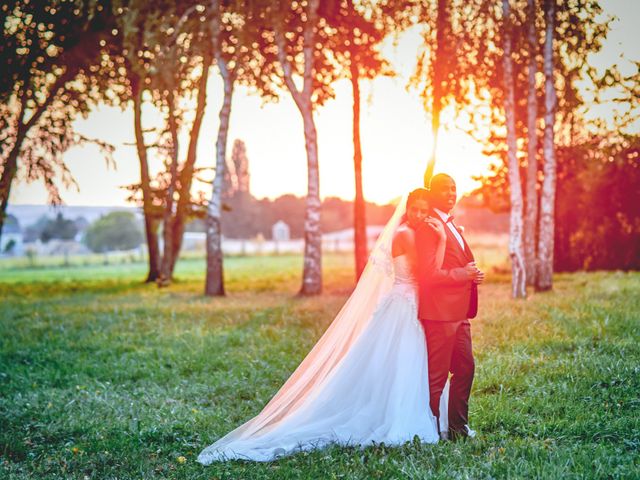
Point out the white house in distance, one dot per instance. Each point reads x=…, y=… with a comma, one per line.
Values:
x=280, y=231
x=11, y=242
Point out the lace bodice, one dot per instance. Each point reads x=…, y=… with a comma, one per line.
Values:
x=403, y=275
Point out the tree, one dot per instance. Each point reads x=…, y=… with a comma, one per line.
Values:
x=240, y=164
x=59, y=228
x=356, y=46
x=518, y=273
x=312, y=270
x=447, y=27
x=135, y=57
x=114, y=231
x=214, y=280
x=160, y=59
x=598, y=204
x=577, y=33
x=303, y=36
x=531, y=213
x=168, y=219
x=9, y=247
x=168, y=55
x=544, y=278
x=48, y=55
x=150, y=223
x=34, y=231
x=239, y=54
x=440, y=76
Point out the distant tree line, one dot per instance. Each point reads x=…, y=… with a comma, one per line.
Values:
x=57, y=228
x=245, y=216
x=112, y=231
x=597, y=207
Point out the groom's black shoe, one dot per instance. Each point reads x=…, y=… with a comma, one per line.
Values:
x=465, y=432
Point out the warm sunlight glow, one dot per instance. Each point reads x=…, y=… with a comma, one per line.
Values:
x=395, y=131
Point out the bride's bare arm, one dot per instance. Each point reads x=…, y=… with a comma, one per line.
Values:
x=430, y=255
x=401, y=240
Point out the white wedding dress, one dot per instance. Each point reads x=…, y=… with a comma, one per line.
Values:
x=377, y=391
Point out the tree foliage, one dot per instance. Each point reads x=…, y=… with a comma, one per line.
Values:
x=598, y=205
x=114, y=231
x=50, y=57
x=59, y=228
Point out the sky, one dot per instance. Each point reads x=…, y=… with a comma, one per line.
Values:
x=395, y=132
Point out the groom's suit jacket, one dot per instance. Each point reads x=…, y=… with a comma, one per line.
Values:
x=445, y=294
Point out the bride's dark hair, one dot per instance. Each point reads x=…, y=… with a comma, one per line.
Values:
x=417, y=194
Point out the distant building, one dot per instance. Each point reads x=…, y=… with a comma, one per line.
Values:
x=11, y=242
x=280, y=232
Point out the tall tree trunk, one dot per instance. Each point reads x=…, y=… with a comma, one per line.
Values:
x=359, y=218
x=548, y=194
x=531, y=215
x=438, y=82
x=186, y=173
x=518, y=272
x=9, y=170
x=214, y=284
x=312, y=269
x=166, y=267
x=150, y=226
x=214, y=281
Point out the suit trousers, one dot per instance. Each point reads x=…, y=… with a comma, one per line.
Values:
x=449, y=350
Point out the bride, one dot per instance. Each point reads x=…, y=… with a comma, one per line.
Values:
x=366, y=379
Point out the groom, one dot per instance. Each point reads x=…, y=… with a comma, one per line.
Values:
x=448, y=298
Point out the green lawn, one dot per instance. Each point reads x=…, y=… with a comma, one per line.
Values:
x=103, y=377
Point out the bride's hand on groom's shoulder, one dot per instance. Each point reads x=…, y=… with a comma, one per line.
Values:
x=436, y=226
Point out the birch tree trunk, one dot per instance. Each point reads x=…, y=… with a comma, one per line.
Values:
x=359, y=218
x=149, y=222
x=312, y=270
x=548, y=195
x=516, y=253
x=214, y=284
x=214, y=281
x=531, y=215
x=167, y=255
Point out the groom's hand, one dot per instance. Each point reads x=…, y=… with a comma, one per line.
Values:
x=473, y=273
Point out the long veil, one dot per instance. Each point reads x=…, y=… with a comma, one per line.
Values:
x=317, y=367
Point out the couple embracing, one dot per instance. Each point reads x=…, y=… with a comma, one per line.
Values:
x=397, y=361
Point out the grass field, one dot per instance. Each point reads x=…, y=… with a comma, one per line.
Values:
x=103, y=377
